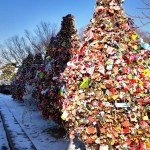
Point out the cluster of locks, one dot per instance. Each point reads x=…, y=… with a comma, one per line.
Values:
x=99, y=90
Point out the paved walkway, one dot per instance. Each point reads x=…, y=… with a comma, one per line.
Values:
x=12, y=131
x=3, y=138
x=37, y=134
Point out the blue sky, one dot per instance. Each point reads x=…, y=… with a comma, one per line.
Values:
x=18, y=15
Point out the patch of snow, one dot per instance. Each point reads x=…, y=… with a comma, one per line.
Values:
x=3, y=137
x=16, y=134
x=35, y=128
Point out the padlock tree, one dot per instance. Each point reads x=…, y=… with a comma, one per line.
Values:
x=19, y=80
x=106, y=100
x=58, y=53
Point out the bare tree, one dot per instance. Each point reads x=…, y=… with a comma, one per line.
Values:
x=41, y=36
x=145, y=14
x=81, y=33
x=15, y=49
x=144, y=35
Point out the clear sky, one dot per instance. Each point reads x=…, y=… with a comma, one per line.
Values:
x=18, y=15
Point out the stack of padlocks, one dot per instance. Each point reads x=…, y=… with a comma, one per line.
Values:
x=29, y=97
x=107, y=83
x=33, y=72
x=58, y=54
x=18, y=83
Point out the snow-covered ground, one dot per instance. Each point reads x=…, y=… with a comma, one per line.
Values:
x=39, y=132
x=3, y=138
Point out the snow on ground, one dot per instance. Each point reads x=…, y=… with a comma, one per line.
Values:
x=36, y=129
x=16, y=134
x=3, y=138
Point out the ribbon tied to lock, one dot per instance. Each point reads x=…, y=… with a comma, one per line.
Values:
x=62, y=91
x=85, y=83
